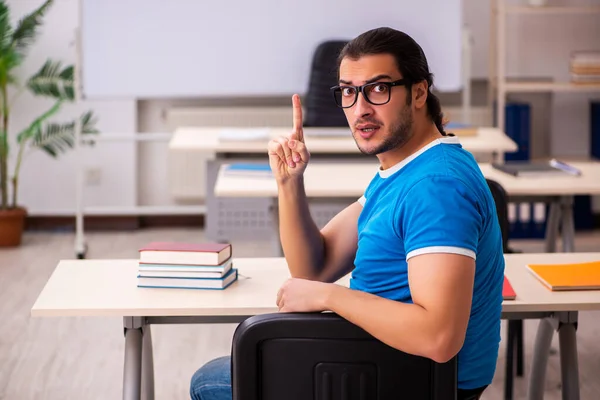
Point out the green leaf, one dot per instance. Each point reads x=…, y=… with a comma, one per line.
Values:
x=6, y=32
x=55, y=139
x=58, y=138
x=28, y=132
x=26, y=31
x=51, y=81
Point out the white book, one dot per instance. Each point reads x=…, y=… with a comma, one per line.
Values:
x=221, y=269
x=184, y=271
x=189, y=283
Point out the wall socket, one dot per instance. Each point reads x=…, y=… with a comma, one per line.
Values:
x=93, y=176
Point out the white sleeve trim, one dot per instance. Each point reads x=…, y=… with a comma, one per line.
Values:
x=362, y=200
x=441, y=249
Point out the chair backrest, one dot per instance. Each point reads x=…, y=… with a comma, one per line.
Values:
x=501, y=199
x=321, y=356
x=320, y=109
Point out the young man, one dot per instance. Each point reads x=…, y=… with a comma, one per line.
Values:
x=423, y=243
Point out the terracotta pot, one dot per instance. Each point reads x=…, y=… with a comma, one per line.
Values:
x=12, y=223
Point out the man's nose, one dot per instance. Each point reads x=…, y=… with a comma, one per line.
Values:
x=362, y=107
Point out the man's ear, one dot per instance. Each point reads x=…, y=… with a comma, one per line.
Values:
x=419, y=94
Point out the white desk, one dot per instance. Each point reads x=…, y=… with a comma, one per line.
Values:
x=108, y=288
x=487, y=140
x=349, y=180
x=205, y=150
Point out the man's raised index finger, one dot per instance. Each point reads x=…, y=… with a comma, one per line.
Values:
x=297, y=113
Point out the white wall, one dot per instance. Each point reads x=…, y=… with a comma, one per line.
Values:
x=137, y=174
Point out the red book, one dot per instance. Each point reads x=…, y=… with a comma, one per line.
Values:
x=185, y=253
x=508, y=292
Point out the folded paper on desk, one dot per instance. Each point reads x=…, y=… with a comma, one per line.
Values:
x=575, y=276
x=508, y=292
x=529, y=169
x=243, y=134
x=325, y=132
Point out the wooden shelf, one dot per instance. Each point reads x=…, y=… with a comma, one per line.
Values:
x=533, y=86
x=557, y=10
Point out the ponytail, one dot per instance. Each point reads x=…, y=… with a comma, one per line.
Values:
x=434, y=109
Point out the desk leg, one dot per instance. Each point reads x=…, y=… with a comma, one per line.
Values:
x=147, y=364
x=569, y=365
x=541, y=349
x=566, y=324
x=132, y=371
x=274, y=209
x=567, y=224
x=138, y=368
x=552, y=227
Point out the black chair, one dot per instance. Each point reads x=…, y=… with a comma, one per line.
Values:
x=514, y=337
x=320, y=109
x=321, y=356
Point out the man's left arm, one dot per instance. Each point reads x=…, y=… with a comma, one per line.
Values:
x=434, y=326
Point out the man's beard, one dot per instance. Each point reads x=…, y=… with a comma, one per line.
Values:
x=400, y=134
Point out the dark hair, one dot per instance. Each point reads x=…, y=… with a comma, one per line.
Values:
x=410, y=60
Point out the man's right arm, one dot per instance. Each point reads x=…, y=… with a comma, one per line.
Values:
x=324, y=255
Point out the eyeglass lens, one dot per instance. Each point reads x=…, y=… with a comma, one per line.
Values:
x=375, y=93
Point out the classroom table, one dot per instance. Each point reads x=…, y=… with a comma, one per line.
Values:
x=319, y=141
x=91, y=288
x=335, y=180
x=213, y=146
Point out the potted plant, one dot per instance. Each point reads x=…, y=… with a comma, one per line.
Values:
x=53, y=81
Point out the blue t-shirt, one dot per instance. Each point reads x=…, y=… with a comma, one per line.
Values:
x=436, y=200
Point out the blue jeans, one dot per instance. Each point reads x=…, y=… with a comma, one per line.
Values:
x=212, y=381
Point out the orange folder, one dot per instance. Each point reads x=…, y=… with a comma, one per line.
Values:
x=508, y=292
x=574, y=276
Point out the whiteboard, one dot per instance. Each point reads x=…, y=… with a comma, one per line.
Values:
x=237, y=48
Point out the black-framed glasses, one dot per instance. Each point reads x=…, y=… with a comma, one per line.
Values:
x=376, y=93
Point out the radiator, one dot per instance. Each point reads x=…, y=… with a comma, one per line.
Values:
x=187, y=172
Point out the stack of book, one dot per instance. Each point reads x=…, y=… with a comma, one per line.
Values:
x=585, y=67
x=186, y=265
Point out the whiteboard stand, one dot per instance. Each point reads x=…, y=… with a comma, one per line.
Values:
x=80, y=246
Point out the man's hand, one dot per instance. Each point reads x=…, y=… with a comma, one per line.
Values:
x=288, y=156
x=301, y=295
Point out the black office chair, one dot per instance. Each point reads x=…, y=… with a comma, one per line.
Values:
x=321, y=356
x=514, y=337
x=320, y=109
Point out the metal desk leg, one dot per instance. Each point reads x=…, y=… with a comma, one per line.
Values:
x=552, y=227
x=541, y=349
x=567, y=224
x=132, y=369
x=147, y=364
x=274, y=209
x=569, y=366
x=138, y=368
